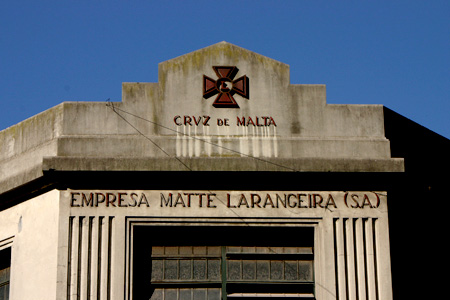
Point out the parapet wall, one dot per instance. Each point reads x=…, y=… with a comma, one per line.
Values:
x=221, y=102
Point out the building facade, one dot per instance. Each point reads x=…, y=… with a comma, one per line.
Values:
x=222, y=180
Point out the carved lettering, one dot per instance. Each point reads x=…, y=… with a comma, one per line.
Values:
x=243, y=201
x=257, y=121
x=99, y=198
x=355, y=201
x=209, y=203
x=143, y=200
x=179, y=201
x=229, y=201
x=291, y=200
x=234, y=200
x=268, y=201
x=256, y=199
x=133, y=198
x=73, y=199
x=166, y=202
x=191, y=120
x=87, y=201
x=111, y=199
x=330, y=201
x=206, y=120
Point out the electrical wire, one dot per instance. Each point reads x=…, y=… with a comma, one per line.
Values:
x=116, y=109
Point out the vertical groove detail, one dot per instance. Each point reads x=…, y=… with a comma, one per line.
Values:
x=374, y=231
x=69, y=255
x=355, y=254
x=108, y=285
x=365, y=258
x=336, y=257
x=356, y=257
x=89, y=258
x=99, y=255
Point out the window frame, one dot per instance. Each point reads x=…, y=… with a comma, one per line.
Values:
x=5, y=265
x=255, y=223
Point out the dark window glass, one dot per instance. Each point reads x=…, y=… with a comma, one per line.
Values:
x=217, y=263
x=5, y=267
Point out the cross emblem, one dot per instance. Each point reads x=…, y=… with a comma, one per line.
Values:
x=225, y=86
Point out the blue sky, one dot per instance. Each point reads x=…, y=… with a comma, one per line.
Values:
x=395, y=53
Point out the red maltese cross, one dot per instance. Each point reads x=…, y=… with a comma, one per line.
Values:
x=225, y=87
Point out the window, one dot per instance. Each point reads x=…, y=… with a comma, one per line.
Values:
x=5, y=266
x=217, y=263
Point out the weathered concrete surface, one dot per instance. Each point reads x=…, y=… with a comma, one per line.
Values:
x=170, y=125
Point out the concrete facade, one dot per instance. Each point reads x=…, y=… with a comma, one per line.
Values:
x=304, y=126
x=77, y=179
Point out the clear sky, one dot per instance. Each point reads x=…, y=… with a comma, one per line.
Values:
x=395, y=53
